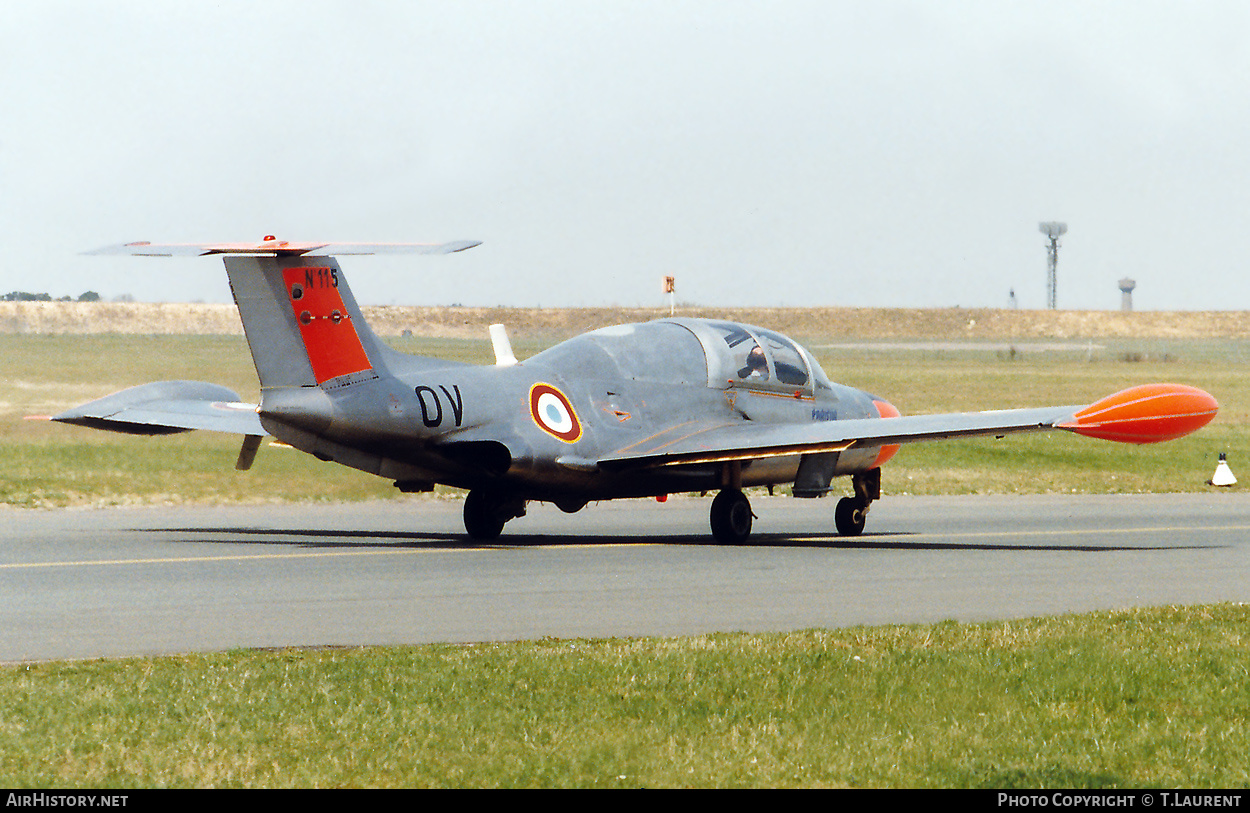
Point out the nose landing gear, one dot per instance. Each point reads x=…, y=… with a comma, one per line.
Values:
x=851, y=512
x=849, y=516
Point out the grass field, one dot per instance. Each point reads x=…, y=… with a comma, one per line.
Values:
x=1143, y=698
x=48, y=465
x=1134, y=699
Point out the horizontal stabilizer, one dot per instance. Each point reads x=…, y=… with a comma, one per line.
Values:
x=274, y=247
x=166, y=407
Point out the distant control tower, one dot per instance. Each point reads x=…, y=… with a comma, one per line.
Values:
x=1054, y=231
x=1126, y=294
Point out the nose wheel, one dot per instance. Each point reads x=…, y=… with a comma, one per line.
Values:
x=731, y=517
x=849, y=516
x=850, y=513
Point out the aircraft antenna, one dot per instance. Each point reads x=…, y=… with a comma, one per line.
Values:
x=1053, y=231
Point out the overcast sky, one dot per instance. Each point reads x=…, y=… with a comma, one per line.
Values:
x=771, y=153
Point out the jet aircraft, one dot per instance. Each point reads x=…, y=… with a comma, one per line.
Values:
x=638, y=410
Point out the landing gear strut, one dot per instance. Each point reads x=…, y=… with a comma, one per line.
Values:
x=851, y=512
x=731, y=517
x=486, y=510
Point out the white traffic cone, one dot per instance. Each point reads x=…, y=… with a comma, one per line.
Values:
x=1223, y=474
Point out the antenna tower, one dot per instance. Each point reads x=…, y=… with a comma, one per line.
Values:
x=1053, y=231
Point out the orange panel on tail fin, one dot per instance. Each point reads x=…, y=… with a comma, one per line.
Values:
x=326, y=328
x=1149, y=413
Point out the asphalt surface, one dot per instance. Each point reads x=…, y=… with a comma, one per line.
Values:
x=118, y=582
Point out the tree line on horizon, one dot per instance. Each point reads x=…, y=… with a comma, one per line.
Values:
x=25, y=296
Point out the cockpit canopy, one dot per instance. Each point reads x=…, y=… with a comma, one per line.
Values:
x=745, y=356
x=693, y=351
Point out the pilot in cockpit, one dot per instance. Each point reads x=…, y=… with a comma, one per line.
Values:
x=757, y=365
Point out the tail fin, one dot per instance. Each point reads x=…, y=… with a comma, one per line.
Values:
x=303, y=325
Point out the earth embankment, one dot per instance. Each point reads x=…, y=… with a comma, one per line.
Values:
x=466, y=322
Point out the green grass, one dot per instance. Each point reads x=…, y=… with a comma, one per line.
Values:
x=1141, y=698
x=1127, y=699
x=48, y=465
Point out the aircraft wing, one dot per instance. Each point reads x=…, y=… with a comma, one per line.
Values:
x=1146, y=414
x=281, y=247
x=166, y=407
x=702, y=442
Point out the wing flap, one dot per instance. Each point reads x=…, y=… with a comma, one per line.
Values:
x=165, y=407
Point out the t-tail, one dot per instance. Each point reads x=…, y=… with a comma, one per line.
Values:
x=304, y=328
x=303, y=325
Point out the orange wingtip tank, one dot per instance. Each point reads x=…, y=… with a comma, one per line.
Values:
x=1149, y=413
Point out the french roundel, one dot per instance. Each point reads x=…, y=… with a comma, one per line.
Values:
x=553, y=413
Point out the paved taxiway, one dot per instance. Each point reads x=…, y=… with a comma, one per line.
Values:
x=99, y=583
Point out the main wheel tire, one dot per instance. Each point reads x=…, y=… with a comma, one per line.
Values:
x=571, y=505
x=731, y=517
x=849, y=516
x=483, y=519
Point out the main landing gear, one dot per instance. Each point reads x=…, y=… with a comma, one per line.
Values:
x=486, y=510
x=731, y=517
x=731, y=511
